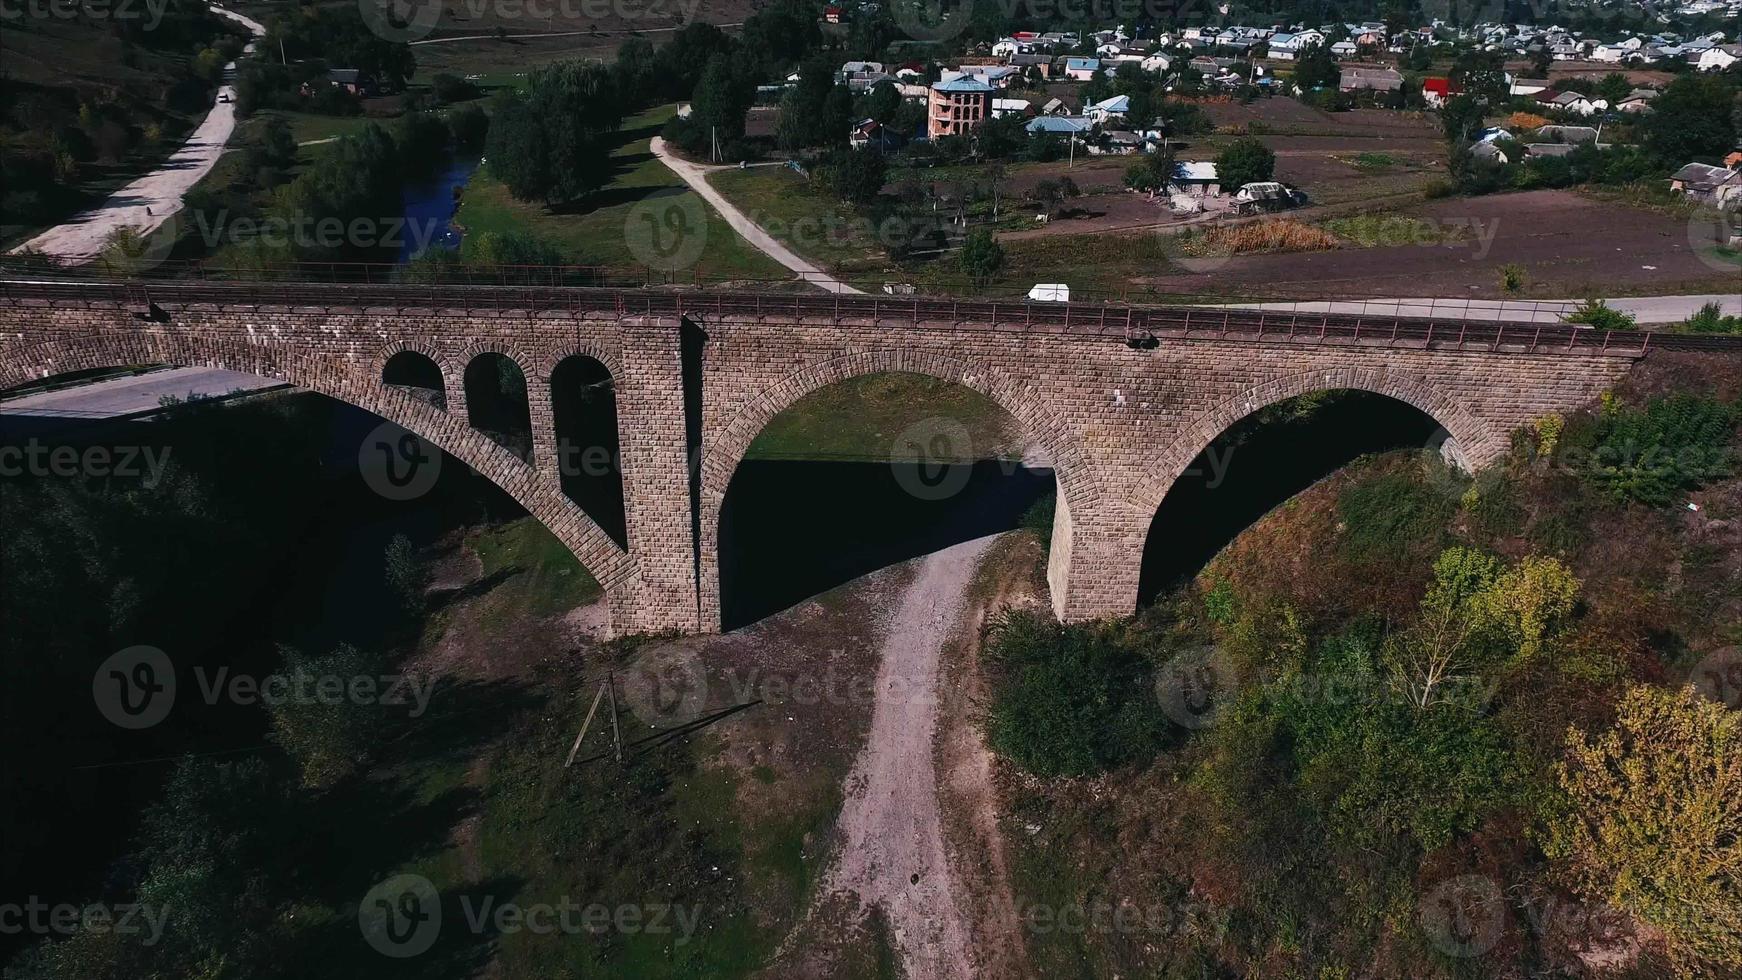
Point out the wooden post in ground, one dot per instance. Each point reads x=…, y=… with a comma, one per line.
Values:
x=584, y=726
x=616, y=735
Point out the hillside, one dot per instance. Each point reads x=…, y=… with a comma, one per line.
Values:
x=88, y=104
x=1347, y=749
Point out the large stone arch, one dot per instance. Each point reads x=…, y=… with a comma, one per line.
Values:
x=447, y=430
x=1478, y=442
x=724, y=449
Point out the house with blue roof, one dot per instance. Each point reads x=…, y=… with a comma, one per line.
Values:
x=1081, y=69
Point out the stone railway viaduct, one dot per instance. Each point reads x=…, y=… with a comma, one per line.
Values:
x=1119, y=399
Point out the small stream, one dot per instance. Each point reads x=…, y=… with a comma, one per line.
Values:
x=430, y=204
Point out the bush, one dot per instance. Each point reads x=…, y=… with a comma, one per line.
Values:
x=1069, y=700
x=981, y=255
x=1600, y=315
x=452, y=88
x=1711, y=319
x=1652, y=822
x=1038, y=518
x=328, y=739
x=468, y=126
x=1650, y=455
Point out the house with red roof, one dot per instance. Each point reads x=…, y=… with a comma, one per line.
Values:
x=1438, y=91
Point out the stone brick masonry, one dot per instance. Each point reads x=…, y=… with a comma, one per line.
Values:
x=1119, y=422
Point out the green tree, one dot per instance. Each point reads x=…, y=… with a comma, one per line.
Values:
x=1652, y=822
x=1613, y=87
x=328, y=738
x=856, y=176
x=1244, y=161
x=553, y=142
x=722, y=99
x=881, y=103
x=1151, y=173
x=1692, y=118
x=981, y=256
x=1461, y=117
x=1316, y=68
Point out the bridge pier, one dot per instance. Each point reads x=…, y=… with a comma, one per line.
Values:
x=1096, y=558
x=657, y=499
x=543, y=421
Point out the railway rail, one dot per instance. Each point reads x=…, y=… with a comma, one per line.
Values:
x=1140, y=326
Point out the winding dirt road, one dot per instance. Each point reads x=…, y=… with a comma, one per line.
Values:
x=149, y=201
x=891, y=836
x=696, y=175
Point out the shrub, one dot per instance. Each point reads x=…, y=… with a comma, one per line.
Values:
x=1652, y=822
x=1069, y=700
x=1038, y=518
x=328, y=738
x=1711, y=319
x=1600, y=315
x=1649, y=455
x=1511, y=277
x=981, y=255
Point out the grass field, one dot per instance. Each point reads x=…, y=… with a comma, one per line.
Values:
x=812, y=223
x=307, y=126
x=601, y=229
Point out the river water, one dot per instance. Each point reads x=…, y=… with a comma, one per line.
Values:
x=430, y=205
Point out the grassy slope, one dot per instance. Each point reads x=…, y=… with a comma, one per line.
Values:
x=80, y=59
x=596, y=232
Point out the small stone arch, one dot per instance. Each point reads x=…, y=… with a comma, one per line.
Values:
x=527, y=364
x=725, y=450
x=1480, y=445
x=444, y=363
x=548, y=361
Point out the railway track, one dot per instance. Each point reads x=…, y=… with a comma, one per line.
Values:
x=1138, y=325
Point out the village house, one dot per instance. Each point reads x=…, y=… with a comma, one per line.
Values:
x=1573, y=102
x=1717, y=186
x=1718, y=57
x=1289, y=47
x=1438, y=91
x=353, y=81
x=1101, y=111
x=1196, y=178
x=1639, y=100
x=1081, y=69
x=957, y=105
x=1375, y=79
x=1528, y=86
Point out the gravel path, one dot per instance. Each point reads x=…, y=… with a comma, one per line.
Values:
x=149, y=201
x=696, y=175
x=891, y=835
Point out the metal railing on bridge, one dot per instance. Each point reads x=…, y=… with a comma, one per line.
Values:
x=322, y=286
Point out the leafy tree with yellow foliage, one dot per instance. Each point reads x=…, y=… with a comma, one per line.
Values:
x=1652, y=822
